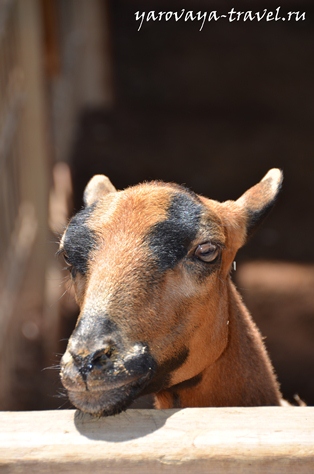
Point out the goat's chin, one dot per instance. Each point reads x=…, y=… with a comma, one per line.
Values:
x=106, y=402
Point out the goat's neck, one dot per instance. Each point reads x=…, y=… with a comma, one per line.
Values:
x=241, y=376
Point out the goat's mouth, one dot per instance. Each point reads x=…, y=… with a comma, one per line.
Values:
x=109, y=401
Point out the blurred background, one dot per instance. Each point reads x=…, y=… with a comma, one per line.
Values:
x=83, y=92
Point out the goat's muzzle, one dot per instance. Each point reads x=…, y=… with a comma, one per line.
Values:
x=106, y=380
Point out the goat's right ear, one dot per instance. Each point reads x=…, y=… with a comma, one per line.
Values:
x=96, y=188
x=257, y=201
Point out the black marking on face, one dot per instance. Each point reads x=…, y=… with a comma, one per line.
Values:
x=79, y=241
x=163, y=372
x=94, y=327
x=169, y=239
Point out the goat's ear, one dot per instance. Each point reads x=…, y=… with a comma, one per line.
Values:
x=96, y=188
x=257, y=201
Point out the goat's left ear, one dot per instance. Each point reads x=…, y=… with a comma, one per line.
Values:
x=97, y=187
x=257, y=201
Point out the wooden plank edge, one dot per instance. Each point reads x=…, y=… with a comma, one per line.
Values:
x=248, y=440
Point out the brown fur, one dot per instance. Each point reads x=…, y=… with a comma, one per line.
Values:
x=184, y=309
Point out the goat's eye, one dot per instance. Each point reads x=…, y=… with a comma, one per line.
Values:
x=207, y=252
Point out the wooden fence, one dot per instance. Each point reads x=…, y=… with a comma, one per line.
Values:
x=193, y=440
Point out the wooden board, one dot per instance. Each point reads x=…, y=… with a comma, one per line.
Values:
x=192, y=440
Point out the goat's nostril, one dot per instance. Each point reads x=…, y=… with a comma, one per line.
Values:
x=101, y=358
x=85, y=369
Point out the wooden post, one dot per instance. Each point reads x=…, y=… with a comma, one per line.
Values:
x=192, y=440
x=24, y=165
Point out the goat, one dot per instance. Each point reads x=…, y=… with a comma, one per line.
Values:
x=159, y=313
